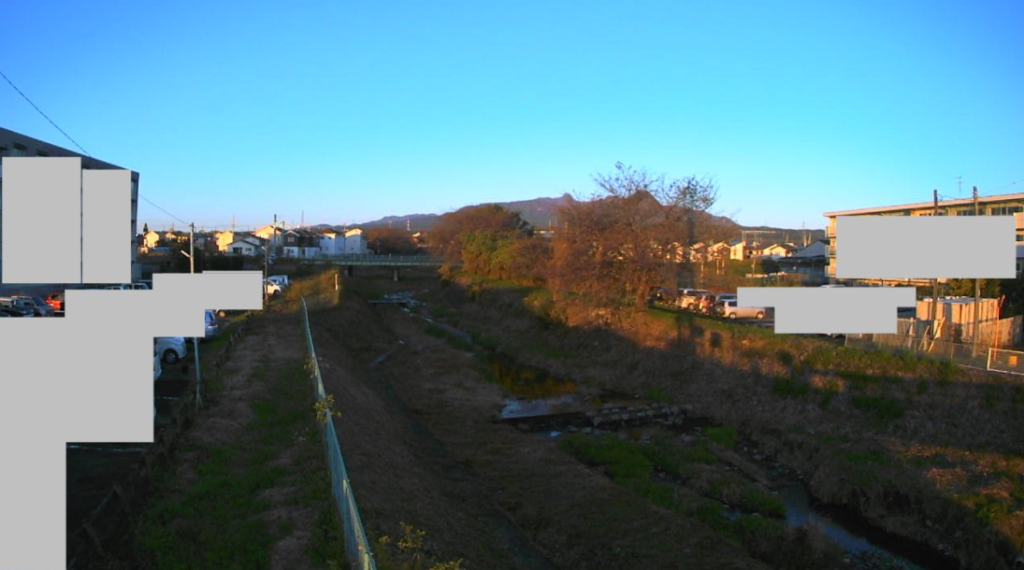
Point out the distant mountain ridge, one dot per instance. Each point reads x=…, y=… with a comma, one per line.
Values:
x=539, y=212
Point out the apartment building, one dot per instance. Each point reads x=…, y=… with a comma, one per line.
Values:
x=998, y=205
x=16, y=144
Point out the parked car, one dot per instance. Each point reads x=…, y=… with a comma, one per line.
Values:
x=38, y=305
x=4, y=315
x=157, y=370
x=171, y=349
x=729, y=309
x=661, y=295
x=688, y=297
x=272, y=289
x=129, y=287
x=281, y=280
x=725, y=297
x=212, y=328
x=704, y=303
x=56, y=300
x=17, y=307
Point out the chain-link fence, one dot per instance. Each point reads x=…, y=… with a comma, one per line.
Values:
x=357, y=547
x=915, y=338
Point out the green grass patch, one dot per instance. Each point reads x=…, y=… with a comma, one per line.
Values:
x=722, y=435
x=657, y=395
x=789, y=387
x=884, y=409
x=624, y=461
x=217, y=521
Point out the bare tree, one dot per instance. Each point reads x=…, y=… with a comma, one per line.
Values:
x=631, y=235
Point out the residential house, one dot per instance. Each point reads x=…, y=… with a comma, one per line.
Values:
x=355, y=242
x=332, y=243
x=224, y=241
x=301, y=243
x=741, y=250
x=778, y=250
x=150, y=239
x=247, y=246
x=997, y=205
x=811, y=261
x=273, y=234
x=718, y=250
x=697, y=252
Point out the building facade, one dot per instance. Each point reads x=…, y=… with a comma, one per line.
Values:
x=16, y=144
x=998, y=205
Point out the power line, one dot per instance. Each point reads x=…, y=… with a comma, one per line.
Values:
x=73, y=141
x=161, y=209
x=15, y=87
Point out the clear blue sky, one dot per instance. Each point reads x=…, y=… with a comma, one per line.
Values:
x=350, y=111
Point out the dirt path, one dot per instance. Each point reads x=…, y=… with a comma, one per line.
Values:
x=421, y=447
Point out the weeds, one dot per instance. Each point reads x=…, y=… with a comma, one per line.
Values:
x=407, y=553
x=218, y=521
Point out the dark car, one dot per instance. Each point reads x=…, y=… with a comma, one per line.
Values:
x=16, y=312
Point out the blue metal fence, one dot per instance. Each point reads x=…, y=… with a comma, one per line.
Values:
x=357, y=547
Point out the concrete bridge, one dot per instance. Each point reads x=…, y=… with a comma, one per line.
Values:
x=396, y=262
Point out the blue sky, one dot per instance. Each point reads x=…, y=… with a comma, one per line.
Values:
x=349, y=111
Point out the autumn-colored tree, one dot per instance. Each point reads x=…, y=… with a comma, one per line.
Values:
x=479, y=239
x=628, y=237
x=384, y=241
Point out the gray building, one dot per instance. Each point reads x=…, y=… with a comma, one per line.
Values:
x=16, y=144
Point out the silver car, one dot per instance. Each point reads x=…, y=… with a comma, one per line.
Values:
x=730, y=310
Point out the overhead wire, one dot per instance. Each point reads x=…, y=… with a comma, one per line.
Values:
x=73, y=141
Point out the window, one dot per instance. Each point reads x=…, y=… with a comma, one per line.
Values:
x=1006, y=210
x=1020, y=237
x=965, y=212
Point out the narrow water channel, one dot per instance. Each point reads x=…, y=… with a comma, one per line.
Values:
x=534, y=393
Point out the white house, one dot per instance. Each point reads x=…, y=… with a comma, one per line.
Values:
x=332, y=243
x=247, y=246
x=355, y=242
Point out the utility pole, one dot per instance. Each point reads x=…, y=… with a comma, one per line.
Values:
x=935, y=281
x=977, y=289
x=195, y=341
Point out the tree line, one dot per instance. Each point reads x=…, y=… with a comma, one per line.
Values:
x=608, y=249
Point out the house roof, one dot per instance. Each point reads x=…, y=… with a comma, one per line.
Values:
x=1018, y=197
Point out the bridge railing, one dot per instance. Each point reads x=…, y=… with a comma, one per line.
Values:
x=369, y=259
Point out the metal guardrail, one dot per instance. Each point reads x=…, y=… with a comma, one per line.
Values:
x=357, y=546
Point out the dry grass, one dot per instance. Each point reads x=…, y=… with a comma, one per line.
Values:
x=845, y=415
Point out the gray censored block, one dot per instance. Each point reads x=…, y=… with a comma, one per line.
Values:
x=925, y=247
x=106, y=221
x=42, y=217
x=816, y=310
x=88, y=377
